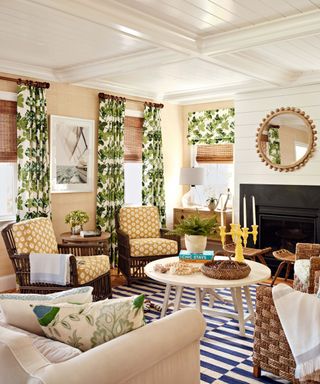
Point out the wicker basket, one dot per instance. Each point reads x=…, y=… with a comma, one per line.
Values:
x=225, y=269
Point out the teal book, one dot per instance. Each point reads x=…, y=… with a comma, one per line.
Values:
x=186, y=255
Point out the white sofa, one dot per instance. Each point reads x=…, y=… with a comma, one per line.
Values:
x=164, y=351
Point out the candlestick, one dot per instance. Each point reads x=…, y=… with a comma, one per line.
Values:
x=232, y=210
x=221, y=212
x=244, y=212
x=254, y=210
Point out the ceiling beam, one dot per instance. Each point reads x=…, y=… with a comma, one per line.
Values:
x=291, y=27
x=127, y=21
x=118, y=65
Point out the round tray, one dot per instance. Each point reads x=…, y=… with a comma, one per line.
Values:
x=225, y=269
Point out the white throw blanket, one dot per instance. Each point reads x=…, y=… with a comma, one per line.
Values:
x=299, y=314
x=49, y=268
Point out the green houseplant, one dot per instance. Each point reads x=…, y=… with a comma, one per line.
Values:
x=76, y=219
x=195, y=231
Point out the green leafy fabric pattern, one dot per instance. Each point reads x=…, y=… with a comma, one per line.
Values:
x=152, y=161
x=274, y=146
x=110, y=183
x=86, y=326
x=211, y=127
x=33, y=195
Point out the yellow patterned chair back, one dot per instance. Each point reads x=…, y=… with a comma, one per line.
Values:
x=35, y=235
x=140, y=222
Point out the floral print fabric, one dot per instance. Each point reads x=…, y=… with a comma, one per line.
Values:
x=110, y=188
x=33, y=196
x=211, y=127
x=152, y=161
x=86, y=326
x=274, y=145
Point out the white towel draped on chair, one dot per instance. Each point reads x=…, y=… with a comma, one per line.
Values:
x=50, y=268
x=299, y=314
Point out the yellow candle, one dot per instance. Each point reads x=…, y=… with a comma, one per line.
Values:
x=244, y=212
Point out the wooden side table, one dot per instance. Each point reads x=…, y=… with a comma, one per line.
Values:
x=103, y=239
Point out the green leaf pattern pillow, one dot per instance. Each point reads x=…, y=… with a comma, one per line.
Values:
x=87, y=325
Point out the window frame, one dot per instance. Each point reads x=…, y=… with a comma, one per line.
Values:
x=10, y=96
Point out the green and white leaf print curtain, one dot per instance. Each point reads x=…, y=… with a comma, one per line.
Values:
x=274, y=145
x=152, y=161
x=211, y=127
x=33, y=195
x=110, y=189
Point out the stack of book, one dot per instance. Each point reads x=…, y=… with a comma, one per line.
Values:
x=189, y=257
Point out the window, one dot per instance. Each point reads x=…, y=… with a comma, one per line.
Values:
x=211, y=134
x=133, y=158
x=8, y=155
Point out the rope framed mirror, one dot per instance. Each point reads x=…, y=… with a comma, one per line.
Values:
x=286, y=139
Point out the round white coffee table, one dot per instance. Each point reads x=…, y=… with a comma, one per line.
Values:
x=202, y=283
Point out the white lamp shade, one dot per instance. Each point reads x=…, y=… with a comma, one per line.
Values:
x=192, y=176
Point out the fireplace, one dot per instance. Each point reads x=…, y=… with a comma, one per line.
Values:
x=286, y=215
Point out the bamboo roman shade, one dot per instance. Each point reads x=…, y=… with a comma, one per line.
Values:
x=133, y=139
x=8, y=131
x=215, y=153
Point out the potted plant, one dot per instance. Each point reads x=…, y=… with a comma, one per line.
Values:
x=76, y=219
x=196, y=231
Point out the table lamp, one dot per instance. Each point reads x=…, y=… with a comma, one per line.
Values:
x=192, y=177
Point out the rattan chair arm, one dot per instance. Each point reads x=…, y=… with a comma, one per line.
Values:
x=316, y=281
x=307, y=250
x=88, y=249
x=314, y=267
x=165, y=234
x=123, y=238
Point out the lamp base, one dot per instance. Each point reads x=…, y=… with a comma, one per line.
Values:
x=188, y=199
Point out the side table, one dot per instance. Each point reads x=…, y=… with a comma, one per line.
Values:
x=102, y=240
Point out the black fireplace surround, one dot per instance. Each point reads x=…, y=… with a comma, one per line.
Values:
x=286, y=215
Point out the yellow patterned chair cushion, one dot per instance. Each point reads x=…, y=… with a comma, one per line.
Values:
x=91, y=267
x=153, y=247
x=35, y=235
x=140, y=222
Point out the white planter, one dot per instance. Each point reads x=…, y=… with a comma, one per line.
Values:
x=195, y=243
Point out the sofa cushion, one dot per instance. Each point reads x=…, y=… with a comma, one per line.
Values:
x=17, y=311
x=91, y=267
x=88, y=325
x=140, y=222
x=153, y=247
x=54, y=351
x=35, y=235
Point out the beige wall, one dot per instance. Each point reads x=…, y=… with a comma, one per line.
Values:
x=74, y=101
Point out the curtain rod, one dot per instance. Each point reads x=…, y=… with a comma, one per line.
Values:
x=106, y=96
x=37, y=84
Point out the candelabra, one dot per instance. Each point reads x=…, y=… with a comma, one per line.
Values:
x=239, y=236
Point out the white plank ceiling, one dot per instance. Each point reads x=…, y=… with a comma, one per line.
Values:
x=182, y=51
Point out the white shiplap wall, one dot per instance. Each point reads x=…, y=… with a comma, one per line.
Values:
x=250, y=109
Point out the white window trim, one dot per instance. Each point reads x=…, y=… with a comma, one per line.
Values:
x=133, y=113
x=8, y=96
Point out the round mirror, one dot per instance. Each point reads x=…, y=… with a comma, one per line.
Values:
x=286, y=139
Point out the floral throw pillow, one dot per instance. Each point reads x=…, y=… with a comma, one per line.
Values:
x=85, y=326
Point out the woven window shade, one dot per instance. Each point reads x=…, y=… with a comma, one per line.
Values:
x=215, y=153
x=8, y=131
x=133, y=139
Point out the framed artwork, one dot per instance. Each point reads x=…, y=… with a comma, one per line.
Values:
x=72, y=143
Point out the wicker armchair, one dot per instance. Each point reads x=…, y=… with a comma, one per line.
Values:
x=141, y=240
x=88, y=265
x=271, y=351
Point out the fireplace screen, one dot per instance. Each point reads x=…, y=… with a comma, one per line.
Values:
x=285, y=231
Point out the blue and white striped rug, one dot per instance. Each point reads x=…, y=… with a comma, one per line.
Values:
x=225, y=356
